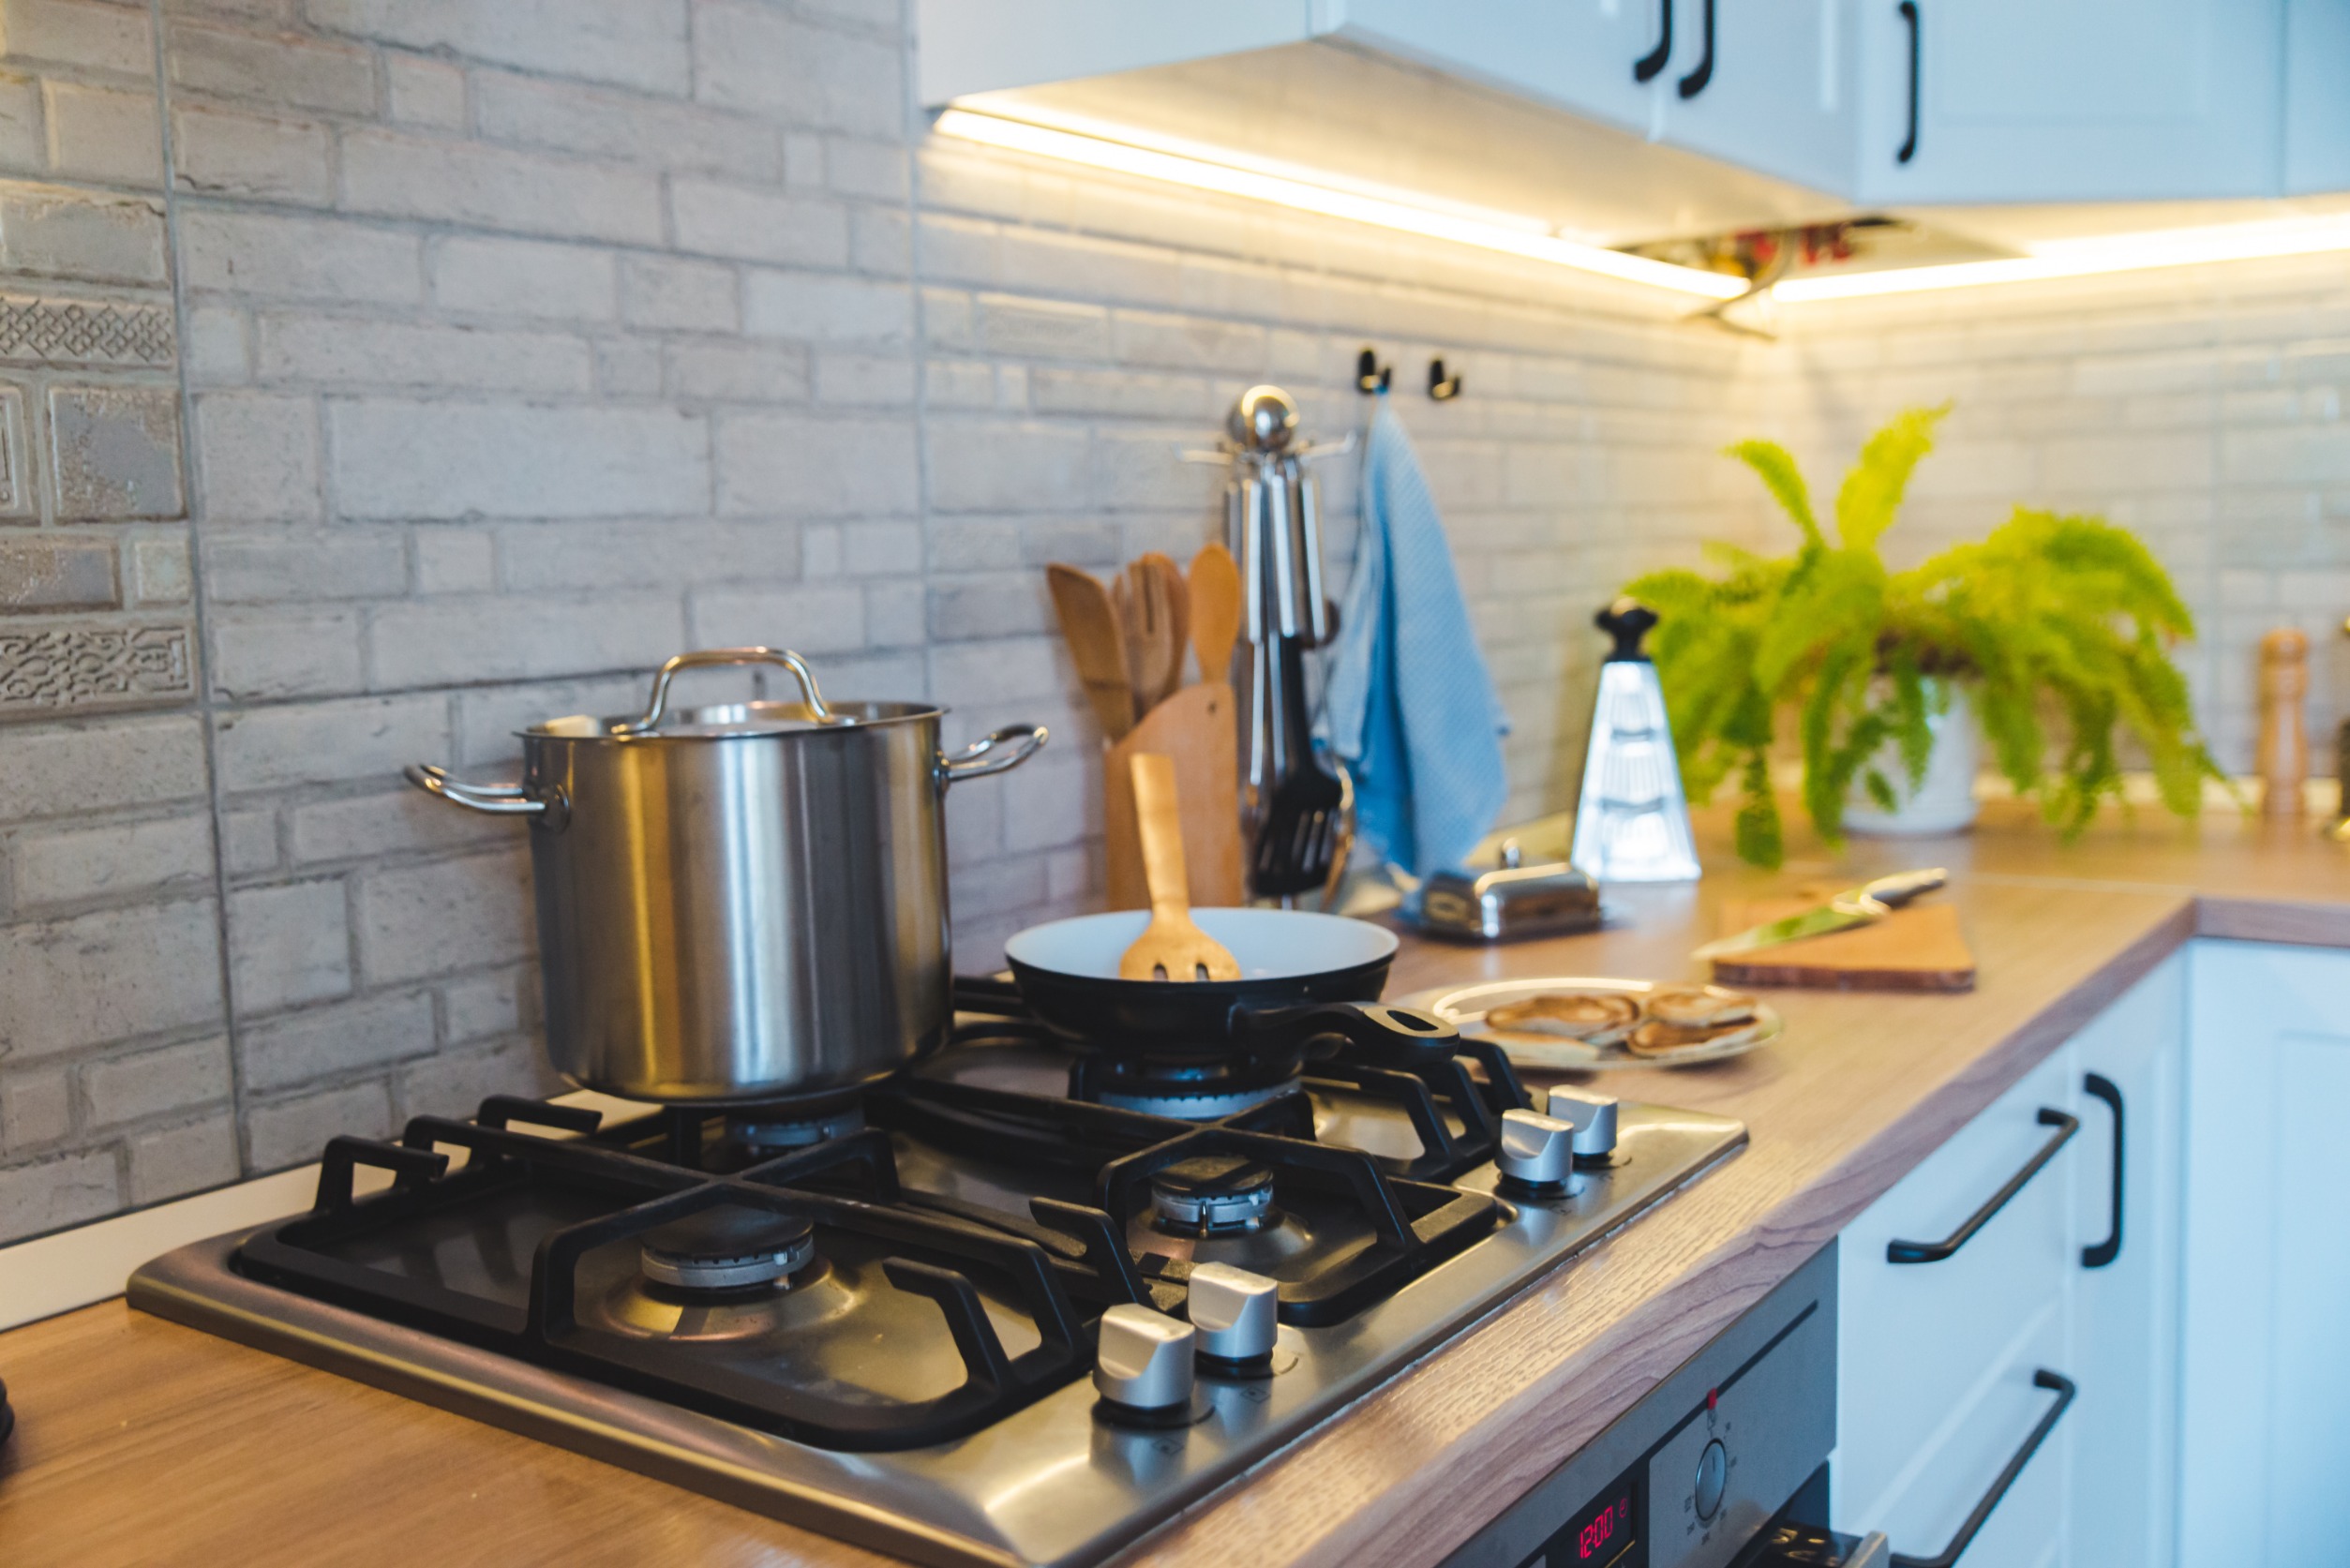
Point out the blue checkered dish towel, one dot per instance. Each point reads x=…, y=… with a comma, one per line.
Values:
x=1409, y=704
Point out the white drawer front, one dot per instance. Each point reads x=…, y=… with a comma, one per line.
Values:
x=1916, y=1338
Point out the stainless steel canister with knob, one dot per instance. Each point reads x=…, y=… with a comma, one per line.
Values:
x=744, y=902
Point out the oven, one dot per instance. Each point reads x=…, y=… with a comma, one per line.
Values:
x=1723, y=1465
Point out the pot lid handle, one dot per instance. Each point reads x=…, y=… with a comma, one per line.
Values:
x=650, y=719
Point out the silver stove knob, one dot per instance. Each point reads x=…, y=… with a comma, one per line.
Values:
x=1236, y=1312
x=1144, y=1361
x=1535, y=1149
x=1594, y=1115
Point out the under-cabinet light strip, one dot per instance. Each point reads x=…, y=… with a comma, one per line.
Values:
x=2085, y=258
x=1202, y=174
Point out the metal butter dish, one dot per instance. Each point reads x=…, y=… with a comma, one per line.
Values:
x=1512, y=901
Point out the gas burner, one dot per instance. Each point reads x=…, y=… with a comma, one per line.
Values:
x=1185, y=1089
x=1212, y=1196
x=726, y=1249
x=780, y=1128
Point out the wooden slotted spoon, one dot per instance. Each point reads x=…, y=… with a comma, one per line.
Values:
x=1149, y=596
x=1171, y=946
x=1089, y=620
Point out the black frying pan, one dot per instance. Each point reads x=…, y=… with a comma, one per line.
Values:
x=1302, y=975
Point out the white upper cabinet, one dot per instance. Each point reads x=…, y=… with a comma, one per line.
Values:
x=1770, y=90
x=976, y=46
x=1611, y=60
x=2316, y=96
x=2064, y=101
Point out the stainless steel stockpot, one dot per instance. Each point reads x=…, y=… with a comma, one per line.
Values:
x=744, y=903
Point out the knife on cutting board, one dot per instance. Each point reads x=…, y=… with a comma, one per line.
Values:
x=1862, y=905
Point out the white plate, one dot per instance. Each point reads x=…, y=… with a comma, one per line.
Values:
x=1465, y=1007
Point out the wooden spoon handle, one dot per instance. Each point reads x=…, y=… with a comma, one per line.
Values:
x=1214, y=592
x=1158, y=823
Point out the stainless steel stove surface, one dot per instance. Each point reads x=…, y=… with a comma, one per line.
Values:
x=881, y=1319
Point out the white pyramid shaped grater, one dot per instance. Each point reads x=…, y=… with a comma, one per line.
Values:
x=1632, y=822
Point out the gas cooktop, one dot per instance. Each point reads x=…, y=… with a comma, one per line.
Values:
x=964, y=1317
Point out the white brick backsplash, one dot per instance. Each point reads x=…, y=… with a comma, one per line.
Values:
x=97, y=765
x=445, y=918
x=455, y=561
x=292, y=1132
x=753, y=225
x=730, y=371
x=824, y=308
x=264, y=565
x=248, y=841
x=571, y=557
x=855, y=379
x=456, y=1083
x=157, y=568
x=420, y=91
x=94, y=979
x=411, y=459
x=81, y=235
x=51, y=1193
x=522, y=638
x=333, y=1041
x=665, y=292
x=214, y=347
x=559, y=117
x=810, y=620
x=22, y=148
x=489, y=718
x=148, y=1083
x=988, y=467
x=278, y=68
x=223, y=154
x=67, y=864
x=459, y=182
x=400, y=821
x=259, y=654
x=167, y=1162
x=633, y=43
x=275, y=257
x=288, y=944
x=339, y=351
x=271, y=748
x=36, y=1108
x=877, y=170
x=107, y=38
x=483, y=1007
x=523, y=277
x=628, y=367
x=95, y=133
x=754, y=56
x=1043, y=328
x=796, y=465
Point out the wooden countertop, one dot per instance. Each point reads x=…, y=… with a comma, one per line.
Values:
x=138, y=1441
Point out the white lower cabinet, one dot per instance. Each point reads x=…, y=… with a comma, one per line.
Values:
x=2035, y=1324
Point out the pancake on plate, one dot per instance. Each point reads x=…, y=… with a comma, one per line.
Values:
x=1591, y=1016
x=1691, y=1007
x=1658, y=1038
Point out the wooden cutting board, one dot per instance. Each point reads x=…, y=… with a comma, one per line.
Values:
x=1198, y=728
x=1919, y=948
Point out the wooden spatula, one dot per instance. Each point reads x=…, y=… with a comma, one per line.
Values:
x=1154, y=642
x=1171, y=946
x=1090, y=622
x=1213, y=594
x=1175, y=599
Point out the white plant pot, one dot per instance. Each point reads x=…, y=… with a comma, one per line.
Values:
x=1944, y=799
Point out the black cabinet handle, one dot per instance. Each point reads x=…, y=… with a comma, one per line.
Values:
x=2056, y=1383
x=1647, y=66
x=1935, y=1251
x=2105, y=1251
x=1694, y=83
x=1908, y=9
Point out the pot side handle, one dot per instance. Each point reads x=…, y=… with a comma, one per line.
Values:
x=981, y=756
x=496, y=799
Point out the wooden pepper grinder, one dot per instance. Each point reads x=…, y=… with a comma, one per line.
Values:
x=2283, y=755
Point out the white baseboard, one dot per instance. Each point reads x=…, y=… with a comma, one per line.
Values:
x=74, y=1268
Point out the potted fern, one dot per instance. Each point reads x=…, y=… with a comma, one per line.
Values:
x=2049, y=618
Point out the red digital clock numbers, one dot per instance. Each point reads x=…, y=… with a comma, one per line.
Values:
x=1602, y=1529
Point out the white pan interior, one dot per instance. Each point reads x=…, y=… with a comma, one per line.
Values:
x=1270, y=943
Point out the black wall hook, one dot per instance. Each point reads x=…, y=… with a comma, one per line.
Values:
x=1369, y=375
x=1441, y=387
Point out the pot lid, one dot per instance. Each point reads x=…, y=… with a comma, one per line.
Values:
x=810, y=713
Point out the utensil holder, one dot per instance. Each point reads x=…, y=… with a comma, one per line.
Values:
x=1196, y=727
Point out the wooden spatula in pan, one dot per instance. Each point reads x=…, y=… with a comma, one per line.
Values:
x=1171, y=946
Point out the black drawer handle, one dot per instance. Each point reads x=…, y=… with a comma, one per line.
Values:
x=2056, y=1383
x=1694, y=83
x=2105, y=1251
x=1647, y=66
x=1935, y=1251
x=1908, y=9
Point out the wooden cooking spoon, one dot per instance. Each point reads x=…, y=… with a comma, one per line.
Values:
x=1213, y=593
x=1089, y=622
x=1171, y=946
x=1154, y=638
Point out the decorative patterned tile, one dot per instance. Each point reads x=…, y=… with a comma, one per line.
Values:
x=37, y=330
x=18, y=494
x=49, y=670
x=40, y=571
x=116, y=451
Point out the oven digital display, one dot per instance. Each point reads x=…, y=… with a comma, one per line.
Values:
x=1602, y=1532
